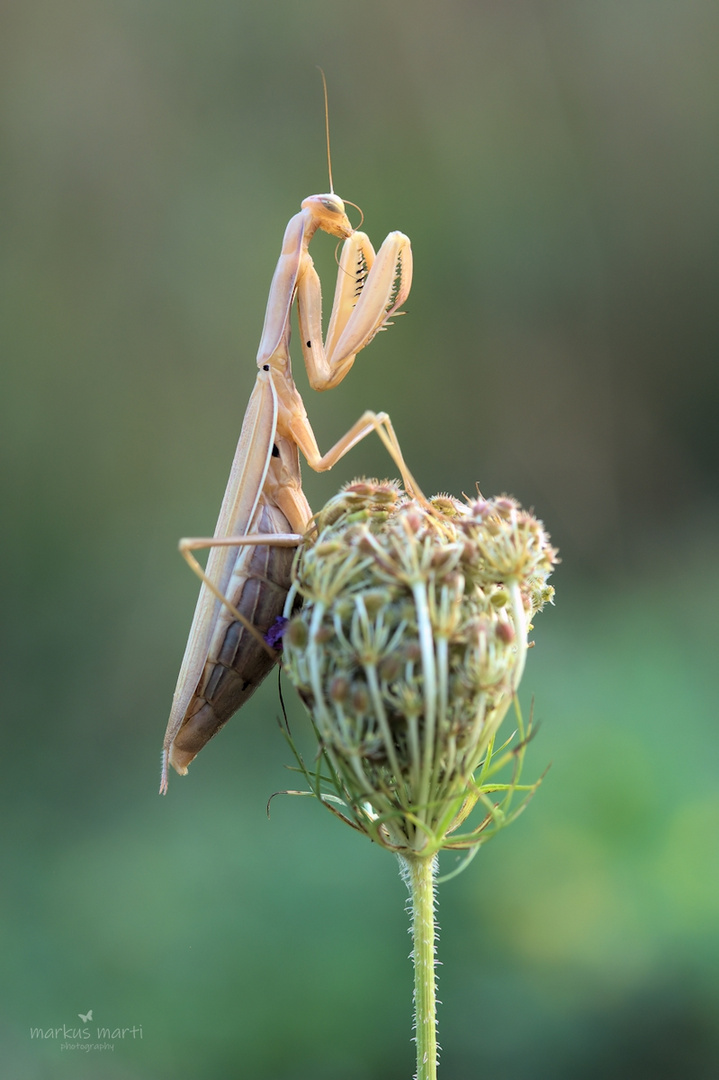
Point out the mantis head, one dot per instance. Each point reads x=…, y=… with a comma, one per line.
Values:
x=328, y=214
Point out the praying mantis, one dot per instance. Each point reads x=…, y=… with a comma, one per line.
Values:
x=264, y=512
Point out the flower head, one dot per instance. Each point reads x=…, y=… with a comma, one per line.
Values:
x=408, y=650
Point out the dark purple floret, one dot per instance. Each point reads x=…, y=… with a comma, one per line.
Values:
x=274, y=635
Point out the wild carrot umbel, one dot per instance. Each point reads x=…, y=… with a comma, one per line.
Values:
x=407, y=652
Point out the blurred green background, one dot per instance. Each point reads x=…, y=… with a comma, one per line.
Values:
x=556, y=165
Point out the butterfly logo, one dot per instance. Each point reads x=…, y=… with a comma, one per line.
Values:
x=87, y=1018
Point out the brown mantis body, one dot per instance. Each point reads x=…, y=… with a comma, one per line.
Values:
x=264, y=510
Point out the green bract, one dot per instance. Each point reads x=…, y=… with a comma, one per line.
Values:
x=407, y=652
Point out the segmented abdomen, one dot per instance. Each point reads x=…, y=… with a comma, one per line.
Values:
x=237, y=662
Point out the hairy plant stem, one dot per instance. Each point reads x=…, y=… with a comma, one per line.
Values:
x=419, y=875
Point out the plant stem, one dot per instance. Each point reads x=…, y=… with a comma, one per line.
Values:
x=419, y=875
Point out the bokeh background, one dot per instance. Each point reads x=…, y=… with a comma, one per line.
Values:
x=556, y=165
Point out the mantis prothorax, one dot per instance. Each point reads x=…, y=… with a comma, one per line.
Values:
x=264, y=512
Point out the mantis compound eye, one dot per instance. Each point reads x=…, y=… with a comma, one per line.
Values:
x=333, y=204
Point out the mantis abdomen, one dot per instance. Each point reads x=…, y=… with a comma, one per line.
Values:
x=237, y=663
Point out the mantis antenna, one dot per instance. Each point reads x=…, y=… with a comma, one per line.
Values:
x=327, y=128
x=329, y=156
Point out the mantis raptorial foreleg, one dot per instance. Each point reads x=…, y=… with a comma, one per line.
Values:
x=384, y=282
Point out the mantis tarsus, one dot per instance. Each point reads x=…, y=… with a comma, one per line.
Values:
x=264, y=510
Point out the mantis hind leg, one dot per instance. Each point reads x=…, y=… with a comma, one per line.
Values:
x=189, y=544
